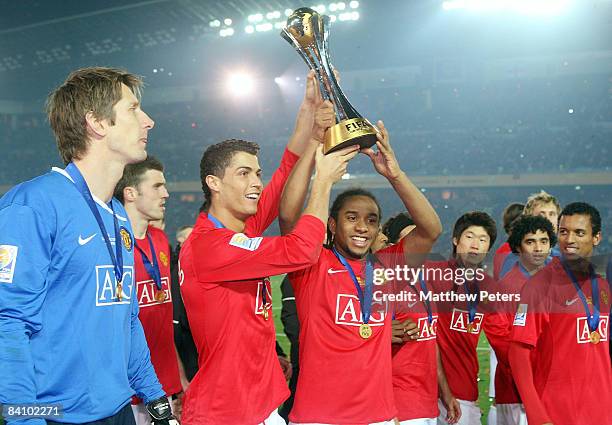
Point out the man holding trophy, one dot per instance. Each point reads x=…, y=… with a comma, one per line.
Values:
x=345, y=337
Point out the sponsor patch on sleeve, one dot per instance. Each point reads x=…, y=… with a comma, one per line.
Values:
x=520, y=318
x=8, y=259
x=240, y=240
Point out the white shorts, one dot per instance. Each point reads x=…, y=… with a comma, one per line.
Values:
x=493, y=367
x=511, y=414
x=421, y=421
x=470, y=413
x=141, y=415
x=274, y=419
x=389, y=422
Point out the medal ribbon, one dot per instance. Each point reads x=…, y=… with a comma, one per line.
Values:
x=264, y=294
x=152, y=268
x=592, y=319
x=81, y=185
x=427, y=303
x=365, y=299
x=472, y=305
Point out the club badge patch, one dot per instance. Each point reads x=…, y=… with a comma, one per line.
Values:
x=240, y=240
x=126, y=238
x=8, y=259
x=163, y=258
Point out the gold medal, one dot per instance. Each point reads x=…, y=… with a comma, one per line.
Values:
x=365, y=331
x=595, y=337
x=265, y=313
x=119, y=290
x=470, y=328
x=160, y=296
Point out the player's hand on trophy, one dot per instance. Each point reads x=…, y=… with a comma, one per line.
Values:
x=325, y=117
x=332, y=167
x=312, y=101
x=403, y=331
x=160, y=412
x=384, y=159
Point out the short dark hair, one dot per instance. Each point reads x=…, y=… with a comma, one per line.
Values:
x=583, y=208
x=94, y=89
x=217, y=158
x=529, y=224
x=341, y=200
x=475, y=218
x=132, y=174
x=394, y=226
x=511, y=213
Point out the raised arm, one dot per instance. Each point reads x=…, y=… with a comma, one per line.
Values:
x=299, y=145
x=304, y=123
x=418, y=243
x=292, y=200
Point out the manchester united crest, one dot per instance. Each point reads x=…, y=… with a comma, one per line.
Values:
x=126, y=238
x=163, y=258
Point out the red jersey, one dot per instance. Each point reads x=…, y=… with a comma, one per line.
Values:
x=226, y=291
x=415, y=367
x=505, y=387
x=156, y=316
x=572, y=376
x=457, y=339
x=344, y=378
x=499, y=257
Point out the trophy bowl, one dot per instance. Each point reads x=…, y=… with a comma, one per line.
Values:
x=308, y=32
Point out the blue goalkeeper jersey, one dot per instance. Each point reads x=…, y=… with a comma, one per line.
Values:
x=67, y=336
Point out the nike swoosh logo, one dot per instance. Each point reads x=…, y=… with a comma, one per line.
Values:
x=332, y=271
x=410, y=305
x=83, y=241
x=570, y=302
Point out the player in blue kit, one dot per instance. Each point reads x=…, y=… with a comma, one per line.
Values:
x=70, y=338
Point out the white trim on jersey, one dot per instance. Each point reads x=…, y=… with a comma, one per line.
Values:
x=95, y=198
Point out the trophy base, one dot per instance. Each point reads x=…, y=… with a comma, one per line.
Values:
x=354, y=131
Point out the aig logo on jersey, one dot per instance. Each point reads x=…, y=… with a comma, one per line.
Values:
x=8, y=259
x=148, y=295
x=583, y=333
x=348, y=312
x=460, y=322
x=427, y=331
x=106, y=285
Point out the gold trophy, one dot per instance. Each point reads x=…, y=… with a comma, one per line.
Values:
x=308, y=32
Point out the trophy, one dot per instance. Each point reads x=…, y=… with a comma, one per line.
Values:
x=308, y=32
